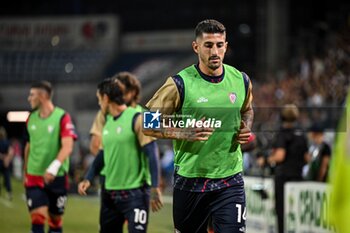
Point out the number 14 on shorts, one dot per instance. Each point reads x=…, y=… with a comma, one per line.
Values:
x=241, y=216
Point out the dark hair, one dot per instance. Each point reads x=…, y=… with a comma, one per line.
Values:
x=44, y=85
x=209, y=26
x=130, y=82
x=113, y=88
x=317, y=128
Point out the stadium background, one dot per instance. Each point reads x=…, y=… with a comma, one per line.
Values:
x=294, y=51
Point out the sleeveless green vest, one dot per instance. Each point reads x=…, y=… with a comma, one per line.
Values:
x=123, y=158
x=218, y=157
x=45, y=142
x=144, y=158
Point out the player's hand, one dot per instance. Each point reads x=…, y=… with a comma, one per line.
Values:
x=83, y=186
x=243, y=133
x=48, y=178
x=156, y=199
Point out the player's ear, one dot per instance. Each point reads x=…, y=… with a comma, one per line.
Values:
x=195, y=46
x=105, y=98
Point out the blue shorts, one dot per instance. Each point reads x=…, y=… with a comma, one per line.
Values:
x=53, y=195
x=118, y=206
x=226, y=207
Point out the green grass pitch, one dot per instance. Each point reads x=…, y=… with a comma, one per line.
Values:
x=81, y=214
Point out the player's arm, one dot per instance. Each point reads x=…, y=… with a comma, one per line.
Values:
x=68, y=136
x=247, y=116
x=93, y=171
x=278, y=152
x=95, y=132
x=150, y=148
x=167, y=100
x=278, y=155
x=26, y=148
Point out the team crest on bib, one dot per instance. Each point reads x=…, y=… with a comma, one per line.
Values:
x=50, y=128
x=119, y=130
x=232, y=97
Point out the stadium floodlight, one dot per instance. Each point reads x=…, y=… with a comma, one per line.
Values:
x=17, y=116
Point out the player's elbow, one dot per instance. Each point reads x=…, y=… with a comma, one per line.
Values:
x=93, y=149
x=69, y=149
x=67, y=146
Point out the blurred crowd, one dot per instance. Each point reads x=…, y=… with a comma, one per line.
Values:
x=316, y=82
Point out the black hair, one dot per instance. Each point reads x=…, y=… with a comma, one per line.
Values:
x=209, y=26
x=44, y=85
x=113, y=88
x=317, y=128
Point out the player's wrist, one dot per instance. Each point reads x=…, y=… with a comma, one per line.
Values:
x=54, y=167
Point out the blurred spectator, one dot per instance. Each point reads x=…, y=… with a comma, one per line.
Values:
x=289, y=156
x=6, y=156
x=17, y=158
x=319, y=155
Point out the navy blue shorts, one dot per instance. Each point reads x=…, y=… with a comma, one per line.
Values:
x=118, y=206
x=226, y=208
x=53, y=195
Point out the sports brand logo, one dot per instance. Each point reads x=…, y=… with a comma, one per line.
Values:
x=151, y=120
x=202, y=100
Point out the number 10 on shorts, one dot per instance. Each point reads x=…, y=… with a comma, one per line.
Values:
x=140, y=216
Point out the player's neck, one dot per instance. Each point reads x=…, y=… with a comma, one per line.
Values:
x=46, y=109
x=116, y=110
x=207, y=71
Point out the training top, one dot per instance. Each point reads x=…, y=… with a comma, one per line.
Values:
x=45, y=140
x=124, y=162
x=221, y=102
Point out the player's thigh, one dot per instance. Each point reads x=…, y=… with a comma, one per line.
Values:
x=57, y=194
x=229, y=211
x=111, y=220
x=57, y=202
x=137, y=214
x=190, y=211
x=36, y=198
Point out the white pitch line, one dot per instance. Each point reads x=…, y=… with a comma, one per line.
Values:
x=168, y=199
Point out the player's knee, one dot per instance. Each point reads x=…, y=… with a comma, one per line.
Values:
x=38, y=218
x=55, y=222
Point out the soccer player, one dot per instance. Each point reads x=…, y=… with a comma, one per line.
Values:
x=131, y=97
x=51, y=137
x=125, y=147
x=208, y=178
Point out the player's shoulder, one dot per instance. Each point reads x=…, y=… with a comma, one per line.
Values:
x=61, y=111
x=234, y=72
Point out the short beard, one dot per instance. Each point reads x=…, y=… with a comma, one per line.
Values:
x=214, y=67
